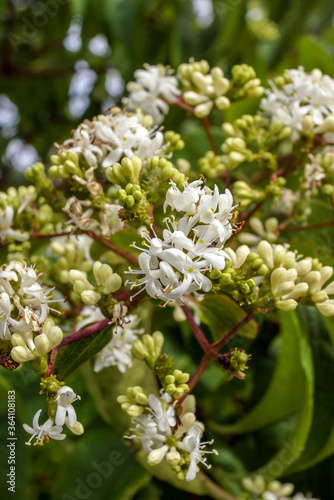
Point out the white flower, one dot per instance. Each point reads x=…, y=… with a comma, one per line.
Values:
x=307, y=96
x=186, y=200
x=193, y=445
x=107, y=138
x=118, y=351
x=153, y=84
x=6, y=221
x=110, y=220
x=164, y=414
x=65, y=397
x=89, y=315
x=30, y=302
x=41, y=432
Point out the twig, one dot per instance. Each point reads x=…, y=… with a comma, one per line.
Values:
x=114, y=248
x=86, y=332
x=201, y=338
x=206, y=125
x=197, y=375
x=317, y=225
x=220, y=343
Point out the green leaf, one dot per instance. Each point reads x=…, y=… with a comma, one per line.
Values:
x=105, y=386
x=282, y=398
x=294, y=446
x=201, y=485
x=99, y=466
x=313, y=55
x=222, y=314
x=74, y=355
x=320, y=443
x=123, y=240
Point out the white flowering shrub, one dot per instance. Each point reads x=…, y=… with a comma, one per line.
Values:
x=122, y=249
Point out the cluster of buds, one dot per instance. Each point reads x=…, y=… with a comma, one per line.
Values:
x=234, y=362
x=245, y=83
x=167, y=432
x=36, y=175
x=294, y=279
x=71, y=253
x=28, y=346
x=211, y=165
x=130, y=195
x=107, y=282
x=253, y=139
x=203, y=87
x=154, y=176
x=173, y=142
x=258, y=488
x=261, y=231
x=246, y=195
x=238, y=277
x=65, y=165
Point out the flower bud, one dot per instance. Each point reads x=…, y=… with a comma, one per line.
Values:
x=21, y=354
x=156, y=456
x=287, y=305
x=173, y=457
x=90, y=297
x=114, y=282
x=326, y=308
x=42, y=344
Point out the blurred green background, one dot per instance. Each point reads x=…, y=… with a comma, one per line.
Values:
x=64, y=60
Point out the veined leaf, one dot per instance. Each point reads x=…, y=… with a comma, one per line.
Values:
x=74, y=355
x=222, y=314
x=282, y=397
x=320, y=443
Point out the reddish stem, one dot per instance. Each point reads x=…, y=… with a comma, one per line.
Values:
x=200, y=337
x=113, y=247
x=52, y=358
x=220, y=343
x=181, y=104
x=197, y=375
x=81, y=334
x=52, y=235
x=317, y=225
x=206, y=125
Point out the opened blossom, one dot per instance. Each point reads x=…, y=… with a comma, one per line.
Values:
x=44, y=431
x=176, y=265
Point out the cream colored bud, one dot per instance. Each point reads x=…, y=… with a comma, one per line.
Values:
x=21, y=354
x=257, y=226
x=326, y=126
x=114, y=283
x=307, y=124
x=55, y=336
x=158, y=341
x=319, y=297
x=284, y=288
x=287, y=305
x=135, y=410
x=326, y=308
x=148, y=341
x=202, y=110
x=222, y=102
x=188, y=420
x=237, y=157
x=298, y=291
x=304, y=266
x=75, y=275
x=77, y=429
x=228, y=129
x=17, y=340
x=200, y=81
x=42, y=344
x=79, y=287
x=326, y=273
x=141, y=398
x=313, y=279
x=139, y=351
x=90, y=297
x=193, y=98
x=265, y=251
x=156, y=456
x=286, y=489
x=173, y=457
x=278, y=276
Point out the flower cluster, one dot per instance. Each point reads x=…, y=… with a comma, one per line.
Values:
x=258, y=488
x=154, y=86
x=24, y=310
x=53, y=427
x=302, y=101
x=167, y=433
x=176, y=265
x=118, y=351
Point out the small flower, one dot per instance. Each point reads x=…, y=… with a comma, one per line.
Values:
x=41, y=432
x=6, y=231
x=193, y=445
x=153, y=86
x=65, y=397
x=118, y=351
